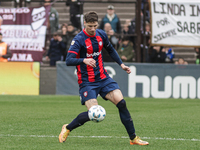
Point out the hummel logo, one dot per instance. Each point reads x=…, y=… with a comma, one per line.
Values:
x=88, y=46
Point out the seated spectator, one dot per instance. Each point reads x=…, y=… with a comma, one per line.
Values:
x=125, y=50
x=145, y=3
x=52, y=24
x=197, y=50
x=111, y=34
x=71, y=33
x=64, y=37
x=132, y=25
x=64, y=32
x=181, y=61
x=56, y=49
x=5, y=52
x=145, y=42
x=125, y=29
x=169, y=55
x=111, y=18
x=157, y=55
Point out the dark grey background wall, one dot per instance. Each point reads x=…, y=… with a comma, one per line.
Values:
x=47, y=80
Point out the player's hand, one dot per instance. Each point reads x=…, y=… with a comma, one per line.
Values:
x=126, y=68
x=90, y=61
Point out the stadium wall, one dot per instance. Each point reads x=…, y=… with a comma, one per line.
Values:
x=48, y=80
x=146, y=80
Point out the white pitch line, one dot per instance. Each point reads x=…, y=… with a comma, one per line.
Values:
x=53, y=136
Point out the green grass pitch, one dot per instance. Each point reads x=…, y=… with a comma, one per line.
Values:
x=34, y=123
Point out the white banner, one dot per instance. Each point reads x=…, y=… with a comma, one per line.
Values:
x=175, y=22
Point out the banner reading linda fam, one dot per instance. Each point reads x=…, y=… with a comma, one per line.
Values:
x=175, y=22
x=24, y=30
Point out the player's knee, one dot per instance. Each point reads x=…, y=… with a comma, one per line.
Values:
x=122, y=104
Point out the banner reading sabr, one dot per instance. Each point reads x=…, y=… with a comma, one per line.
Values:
x=24, y=30
x=175, y=23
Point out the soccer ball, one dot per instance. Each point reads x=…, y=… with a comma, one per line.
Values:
x=97, y=113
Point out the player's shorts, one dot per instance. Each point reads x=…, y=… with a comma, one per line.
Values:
x=92, y=89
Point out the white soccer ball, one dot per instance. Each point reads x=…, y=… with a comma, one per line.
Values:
x=97, y=113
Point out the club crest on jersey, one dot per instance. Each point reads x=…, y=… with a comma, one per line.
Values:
x=100, y=43
x=85, y=93
x=72, y=43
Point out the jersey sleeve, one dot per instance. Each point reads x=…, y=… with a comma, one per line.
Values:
x=73, y=58
x=110, y=49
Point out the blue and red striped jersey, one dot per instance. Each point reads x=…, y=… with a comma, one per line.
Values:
x=86, y=46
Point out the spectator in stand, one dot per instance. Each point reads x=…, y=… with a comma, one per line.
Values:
x=64, y=32
x=132, y=27
x=111, y=34
x=76, y=13
x=64, y=37
x=181, y=61
x=56, y=49
x=125, y=29
x=71, y=33
x=125, y=50
x=145, y=3
x=145, y=42
x=197, y=50
x=157, y=55
x=133, y=24
x=53, y=22
x=4, y=50
x=169, y=55
x=111, y=18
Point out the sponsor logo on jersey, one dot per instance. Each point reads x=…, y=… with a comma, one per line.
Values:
x=93, y=54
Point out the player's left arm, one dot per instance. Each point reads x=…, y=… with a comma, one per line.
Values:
x=110, y=49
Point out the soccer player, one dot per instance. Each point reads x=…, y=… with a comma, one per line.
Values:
x=93, y=79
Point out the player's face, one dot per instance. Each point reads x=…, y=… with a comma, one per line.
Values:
x=90, y=27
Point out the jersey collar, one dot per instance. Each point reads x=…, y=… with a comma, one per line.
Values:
x=88, y=34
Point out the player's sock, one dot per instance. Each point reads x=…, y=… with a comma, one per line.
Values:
x=78, y=121
x=126, y=118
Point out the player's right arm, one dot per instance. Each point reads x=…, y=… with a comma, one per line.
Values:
x=73, y=55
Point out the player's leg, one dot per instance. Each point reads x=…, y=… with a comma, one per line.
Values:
x=88, y=98
x=82, y=117
x=116, y=97
x=77, y=122
x=110, y=91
